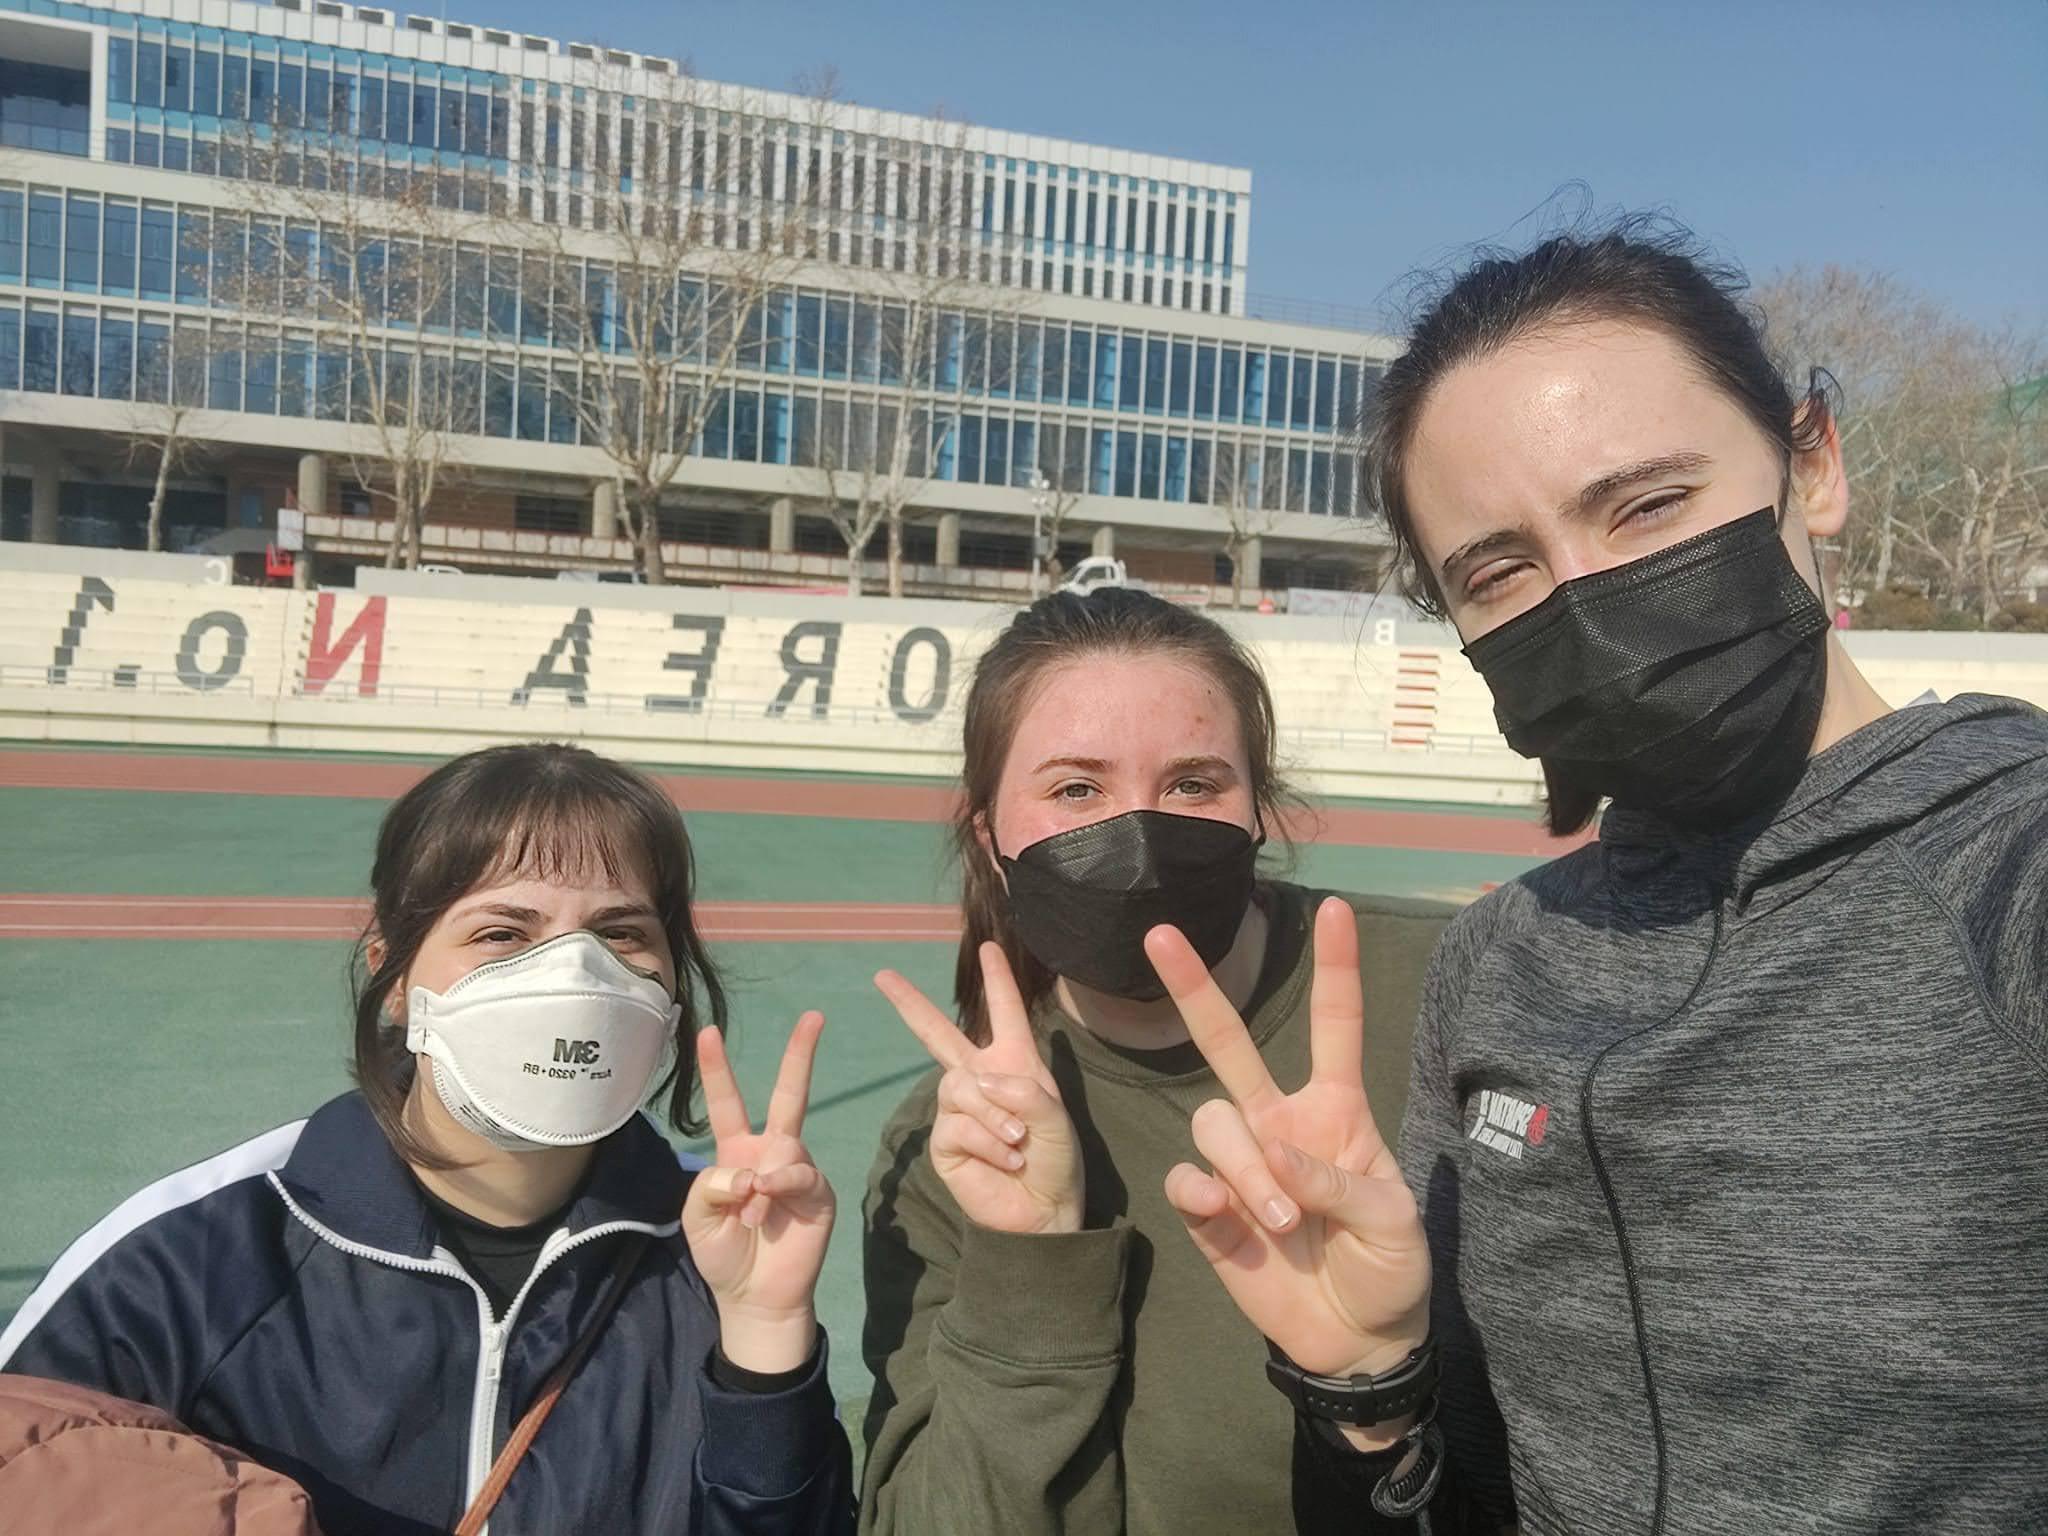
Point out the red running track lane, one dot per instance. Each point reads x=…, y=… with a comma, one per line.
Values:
x=33, y=916
x=170, y=773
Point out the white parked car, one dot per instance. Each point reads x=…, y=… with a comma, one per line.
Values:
x=1094, y=573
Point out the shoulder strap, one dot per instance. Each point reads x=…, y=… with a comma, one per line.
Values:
x=474, y=1518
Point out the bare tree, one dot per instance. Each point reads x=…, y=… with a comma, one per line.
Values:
x=1053, y=501
x=677, y=285
x=164, y=431
x=164, y=422
x=1944, y=435
x=1237, y=499
x=372, y=262
x=930, y=334
x=1984, y=522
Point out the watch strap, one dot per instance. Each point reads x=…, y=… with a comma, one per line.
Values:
x=1358, y=1399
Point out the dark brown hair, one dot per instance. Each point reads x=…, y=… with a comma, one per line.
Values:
x=1057, y=629
x=1642, y=269
x=544, y=810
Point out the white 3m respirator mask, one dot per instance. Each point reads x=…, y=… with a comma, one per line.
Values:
x=553, y=1047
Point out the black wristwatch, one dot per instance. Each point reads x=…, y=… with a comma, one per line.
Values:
x=1358, y=1399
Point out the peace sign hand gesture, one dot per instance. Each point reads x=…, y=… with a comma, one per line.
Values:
x=1306, y=1219
x=758, y=1220
x=1002, y=1140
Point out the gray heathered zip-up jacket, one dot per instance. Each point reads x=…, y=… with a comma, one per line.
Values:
x=1734, y=1157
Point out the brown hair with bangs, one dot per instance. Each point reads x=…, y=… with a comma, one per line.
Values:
x=546, y=810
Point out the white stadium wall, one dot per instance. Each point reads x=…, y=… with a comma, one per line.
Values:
x=112, y=646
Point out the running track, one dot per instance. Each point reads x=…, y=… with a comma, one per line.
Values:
x=317, y=917
x=1351, y=826
x=45, y=916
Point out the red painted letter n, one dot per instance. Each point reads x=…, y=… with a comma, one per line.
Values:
x=326, y=656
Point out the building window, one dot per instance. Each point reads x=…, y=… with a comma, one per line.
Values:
x=1127, y=464
x=45, y=239
x=45, y=107
x=81, y=349
x=549, y=514
x=82, y=245
x=39, y=351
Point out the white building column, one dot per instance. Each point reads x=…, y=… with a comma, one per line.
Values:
x=782, y=526
x=46, y=488
x=604, y=510
x=312, y=484
x=1104, y=542
x=949, y=540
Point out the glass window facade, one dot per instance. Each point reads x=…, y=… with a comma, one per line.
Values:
x=488, y=340
x=127, y=298
x=176, y=94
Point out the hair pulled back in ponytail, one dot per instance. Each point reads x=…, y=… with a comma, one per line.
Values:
x=1054, y=631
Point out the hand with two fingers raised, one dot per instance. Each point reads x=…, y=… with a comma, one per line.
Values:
x=758, y=1220
x=1305, y=1217
x=1002, y=1140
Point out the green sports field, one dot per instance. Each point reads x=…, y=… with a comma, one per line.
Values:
x=129, y=1056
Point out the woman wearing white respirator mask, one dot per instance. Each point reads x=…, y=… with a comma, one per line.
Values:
x=373, y=1300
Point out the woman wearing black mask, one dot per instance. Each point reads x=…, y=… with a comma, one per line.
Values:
x=1050, y=1353
x=1724, y=1131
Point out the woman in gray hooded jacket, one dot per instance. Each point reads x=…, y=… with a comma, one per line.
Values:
x=1722, y=1170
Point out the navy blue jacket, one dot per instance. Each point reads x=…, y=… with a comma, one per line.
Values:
x=289, y=1297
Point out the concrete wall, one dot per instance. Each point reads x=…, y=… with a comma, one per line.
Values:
x=125, y=647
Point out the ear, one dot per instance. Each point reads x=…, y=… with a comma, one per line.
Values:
x=986, y=838
x=1820, y=488
x=374, y=951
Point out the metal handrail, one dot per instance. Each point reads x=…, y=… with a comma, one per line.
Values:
x=117, y=679
x=438, y=696
x=1317, y=312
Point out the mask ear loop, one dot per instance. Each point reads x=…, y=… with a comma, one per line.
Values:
x=1778, y=515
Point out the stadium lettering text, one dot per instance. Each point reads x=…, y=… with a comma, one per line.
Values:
x=213, y=651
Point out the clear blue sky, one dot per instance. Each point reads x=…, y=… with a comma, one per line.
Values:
x=1384, y=135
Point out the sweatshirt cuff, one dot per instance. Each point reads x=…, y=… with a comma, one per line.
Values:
x=1040, y=1298
x=768, y=1445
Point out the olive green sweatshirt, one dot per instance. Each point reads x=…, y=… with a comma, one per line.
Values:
x=1102, y=1381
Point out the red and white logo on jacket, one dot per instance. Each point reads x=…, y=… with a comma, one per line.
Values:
x=1508, y=1124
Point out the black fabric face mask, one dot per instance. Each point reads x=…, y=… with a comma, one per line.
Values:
x=1083, y=900
x=1687, y=683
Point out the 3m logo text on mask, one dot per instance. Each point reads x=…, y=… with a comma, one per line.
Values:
x=553, y=1047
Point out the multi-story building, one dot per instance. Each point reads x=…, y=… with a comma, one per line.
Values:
x=1097, y=349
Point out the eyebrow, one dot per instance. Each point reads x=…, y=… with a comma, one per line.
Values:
x=531, y=915
x=1202, y=764
x=1085, y=764
x=504, y=910
x=1591, y=495
x=614, y=914
x=1598, y=490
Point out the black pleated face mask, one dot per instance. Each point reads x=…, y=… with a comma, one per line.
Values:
x=1687, y=683
x=1083, y=900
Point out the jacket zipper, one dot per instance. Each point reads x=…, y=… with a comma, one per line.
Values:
x=1628, y=1262
x=492, y=1334
x=490, y=1365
